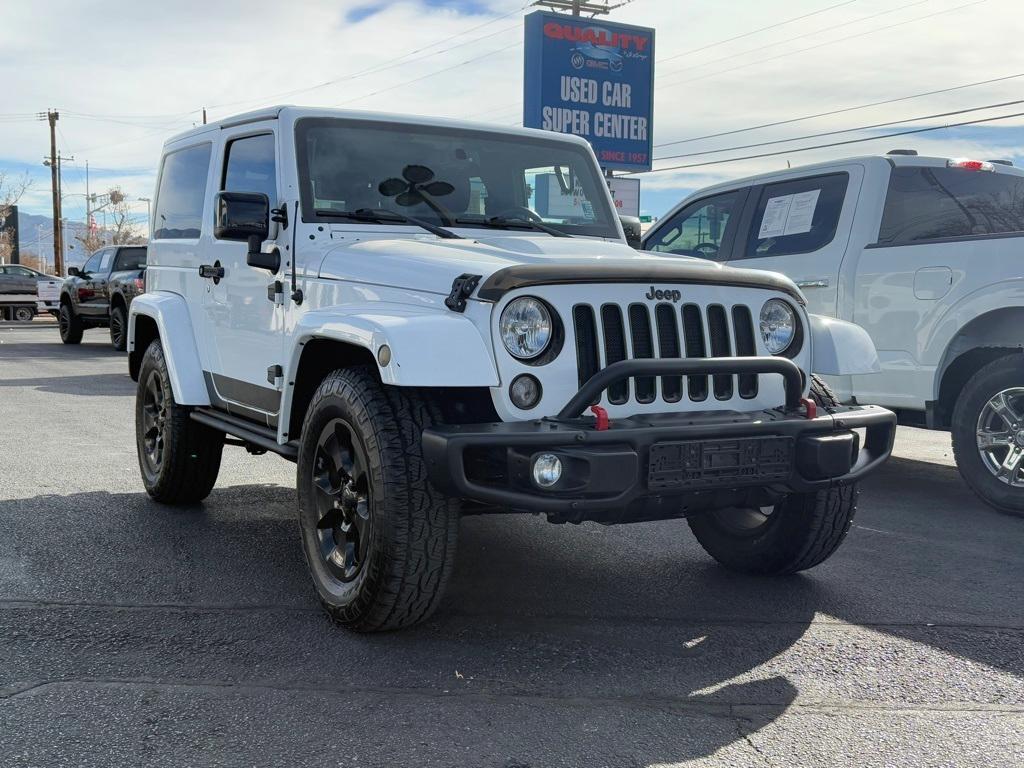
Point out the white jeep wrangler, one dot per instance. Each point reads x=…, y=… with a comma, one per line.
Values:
x=436, y=319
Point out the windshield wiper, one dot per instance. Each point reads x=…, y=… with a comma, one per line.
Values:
x=383, y=215
x=505, y=222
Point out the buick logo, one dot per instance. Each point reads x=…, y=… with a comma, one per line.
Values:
x=668, y=294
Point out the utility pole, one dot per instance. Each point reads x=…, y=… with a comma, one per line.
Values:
x=578, y=7
x=58, y=246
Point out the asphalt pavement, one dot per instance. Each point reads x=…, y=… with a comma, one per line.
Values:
x=138, y=635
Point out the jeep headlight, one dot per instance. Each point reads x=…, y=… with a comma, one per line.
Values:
x=526, y=327
x=778, y=326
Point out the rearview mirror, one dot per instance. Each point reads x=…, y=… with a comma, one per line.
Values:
x=246, y=216
x=631, y=228
x=241, y=216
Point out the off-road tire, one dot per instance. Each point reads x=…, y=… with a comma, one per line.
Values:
x=803, y=530
x=413, y=526
x=191, y=451
x=69, y=324
x=1002, y=373
x=119, y=328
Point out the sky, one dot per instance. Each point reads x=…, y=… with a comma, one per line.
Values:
x=126, y=77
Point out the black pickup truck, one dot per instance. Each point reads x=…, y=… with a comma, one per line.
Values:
x=98, y=294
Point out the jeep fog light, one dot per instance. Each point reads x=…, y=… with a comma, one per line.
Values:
x=778, y=326
x=524, y=392
x=547, y=470
x=526, y=327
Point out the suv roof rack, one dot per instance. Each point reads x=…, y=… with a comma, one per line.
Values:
x=902, y=152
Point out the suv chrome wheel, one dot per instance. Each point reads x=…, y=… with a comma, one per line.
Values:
x=342, y=501
x=154, y=423
x=1000, y=436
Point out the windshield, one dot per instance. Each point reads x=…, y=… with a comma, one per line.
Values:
x=449, y=176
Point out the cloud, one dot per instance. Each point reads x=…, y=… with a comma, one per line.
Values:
x=120, y=102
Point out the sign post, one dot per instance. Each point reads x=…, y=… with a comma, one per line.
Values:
x=595, y=80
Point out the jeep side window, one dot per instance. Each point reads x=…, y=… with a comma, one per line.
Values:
x=929, y=203
x=182, y=192
x=249, y=166
x=105, y=257
x=797, y=216
x=698, y=229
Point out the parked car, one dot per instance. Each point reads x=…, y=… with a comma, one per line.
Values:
x=18, y=293
x=389, y=303
x=98, y=294
x=922, y=252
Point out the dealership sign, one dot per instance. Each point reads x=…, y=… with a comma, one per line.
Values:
x=593, y=80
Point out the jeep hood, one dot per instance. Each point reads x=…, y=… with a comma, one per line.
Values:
x=506, y=263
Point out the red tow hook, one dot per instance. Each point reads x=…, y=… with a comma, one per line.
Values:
x=600, y=416
x=811, y=406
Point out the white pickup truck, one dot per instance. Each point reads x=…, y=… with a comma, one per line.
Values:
x=927, y=255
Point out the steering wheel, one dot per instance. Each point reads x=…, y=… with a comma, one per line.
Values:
x=519, y=212
x=710, y=249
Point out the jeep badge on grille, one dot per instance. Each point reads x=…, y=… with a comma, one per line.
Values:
x=671, y=295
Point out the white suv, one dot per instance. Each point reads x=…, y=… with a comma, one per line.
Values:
x=421, y=313
x=927, y=255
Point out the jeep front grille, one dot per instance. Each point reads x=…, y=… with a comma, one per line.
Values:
x=608, y=335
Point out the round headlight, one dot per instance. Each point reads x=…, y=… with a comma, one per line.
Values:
x=526, y=327
x=778, y=325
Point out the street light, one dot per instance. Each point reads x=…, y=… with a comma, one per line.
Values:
x=149, y=207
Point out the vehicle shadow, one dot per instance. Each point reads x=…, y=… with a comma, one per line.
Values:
x=628, y=625
x=88, y=350
x=103, y=384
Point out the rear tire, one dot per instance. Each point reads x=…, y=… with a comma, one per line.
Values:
x=378, y=537
x=119, y=328
x=69, y=324
x=179, y=458
x=23, y=314
x=997, y=386
x=799, y=532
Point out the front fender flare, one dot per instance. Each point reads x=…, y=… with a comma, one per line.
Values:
x=170, y=313
x=429, y=348
x=840, y=348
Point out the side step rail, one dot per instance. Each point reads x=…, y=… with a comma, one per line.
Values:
x=257, y=434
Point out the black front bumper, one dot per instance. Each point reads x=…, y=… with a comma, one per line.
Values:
x=657, y=465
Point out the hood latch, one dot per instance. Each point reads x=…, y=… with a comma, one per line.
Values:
x=462, y=288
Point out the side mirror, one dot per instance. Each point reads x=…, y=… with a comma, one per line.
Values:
x=73, y=272
x=246, y=216
x=631, y=228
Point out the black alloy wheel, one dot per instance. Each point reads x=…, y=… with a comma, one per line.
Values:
x=154, y=424
x=342, y=492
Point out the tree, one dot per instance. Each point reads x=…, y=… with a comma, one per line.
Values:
x=11, y=191
x=119, y=228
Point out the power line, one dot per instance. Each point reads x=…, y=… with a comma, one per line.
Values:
x=755, y=31
x=822, y=45
x=843, y=130
x=831, y=144
x=797, y=37
x=430, y=74
x=402, y=60
x=839, y=111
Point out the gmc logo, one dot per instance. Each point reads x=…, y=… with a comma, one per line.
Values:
x=672, y=295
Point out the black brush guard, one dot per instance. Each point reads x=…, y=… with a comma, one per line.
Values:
x=655, y=466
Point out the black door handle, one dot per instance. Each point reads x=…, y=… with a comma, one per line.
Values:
x=212, y=272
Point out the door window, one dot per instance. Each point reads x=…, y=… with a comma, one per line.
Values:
x=249, y=166
x=182, y=192
x=93, y=264
x=20, y=271
x=929, y=203
x=106, y=256
x=130, y=258
x=699, y=229
x=797, y=216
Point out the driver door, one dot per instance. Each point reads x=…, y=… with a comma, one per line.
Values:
x=705, y=229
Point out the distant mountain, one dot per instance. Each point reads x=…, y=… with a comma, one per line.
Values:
x=37, y=237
